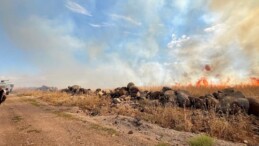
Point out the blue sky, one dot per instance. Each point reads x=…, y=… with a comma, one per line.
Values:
x=98, y=43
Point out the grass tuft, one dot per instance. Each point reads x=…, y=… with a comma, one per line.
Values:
x=33, y=131
x=32, y=101
x=201, y=140
x=65, y=115
x=163, y=144
x=16, y=119
x=105, y=129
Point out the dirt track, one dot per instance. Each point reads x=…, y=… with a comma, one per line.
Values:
x=27, y=121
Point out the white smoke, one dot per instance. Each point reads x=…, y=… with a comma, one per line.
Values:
x=229, y=46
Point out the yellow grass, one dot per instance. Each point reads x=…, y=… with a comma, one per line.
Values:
x=247, y=90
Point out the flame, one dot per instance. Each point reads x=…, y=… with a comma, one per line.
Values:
x=206, y=82
x=254, y=81
x=202, y=82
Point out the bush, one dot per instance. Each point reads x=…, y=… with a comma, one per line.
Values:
x=201, y=140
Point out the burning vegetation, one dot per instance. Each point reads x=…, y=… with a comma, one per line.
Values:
x=202, y=82
x=254, y=81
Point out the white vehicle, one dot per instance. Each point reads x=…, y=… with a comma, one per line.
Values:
x=5, y=88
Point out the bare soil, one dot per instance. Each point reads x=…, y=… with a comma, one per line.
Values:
x=30, y=121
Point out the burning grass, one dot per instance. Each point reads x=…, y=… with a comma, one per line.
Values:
x=235, y=128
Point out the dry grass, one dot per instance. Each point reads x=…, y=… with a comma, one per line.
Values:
x=91, y=103
x=235, y=128
x=229, y=127
x=109, y=131
x=16, y=119
x=32, y=101
x=65, y=115
x=202, y=90
x=163, y=144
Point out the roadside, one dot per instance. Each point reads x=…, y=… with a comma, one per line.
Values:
x=30, y=121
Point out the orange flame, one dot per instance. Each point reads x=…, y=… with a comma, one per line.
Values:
x=254, y=81
x=202, y=82
x=205, y=82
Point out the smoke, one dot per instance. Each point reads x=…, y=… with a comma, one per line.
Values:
x=240, y=37
x=229, y=46
x=50, y=44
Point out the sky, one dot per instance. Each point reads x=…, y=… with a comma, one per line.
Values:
x=108, y=43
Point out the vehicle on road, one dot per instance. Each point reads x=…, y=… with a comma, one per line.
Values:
x=5, y=88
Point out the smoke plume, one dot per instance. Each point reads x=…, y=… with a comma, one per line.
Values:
x=225, y=51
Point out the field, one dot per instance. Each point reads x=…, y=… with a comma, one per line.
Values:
x=237, y=128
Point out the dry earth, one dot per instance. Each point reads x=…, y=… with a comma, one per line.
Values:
x=29, y=121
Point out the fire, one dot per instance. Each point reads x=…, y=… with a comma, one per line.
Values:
x=254, y=81
x=206, y=82
x=202, y=82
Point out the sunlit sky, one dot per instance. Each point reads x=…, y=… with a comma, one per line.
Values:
x=107, y=43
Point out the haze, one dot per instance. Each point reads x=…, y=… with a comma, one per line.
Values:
x=97, y=43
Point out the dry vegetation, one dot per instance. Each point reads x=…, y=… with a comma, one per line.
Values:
x=235, y=128
x=249, y=91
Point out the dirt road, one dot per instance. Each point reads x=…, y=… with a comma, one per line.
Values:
x=29, y=121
